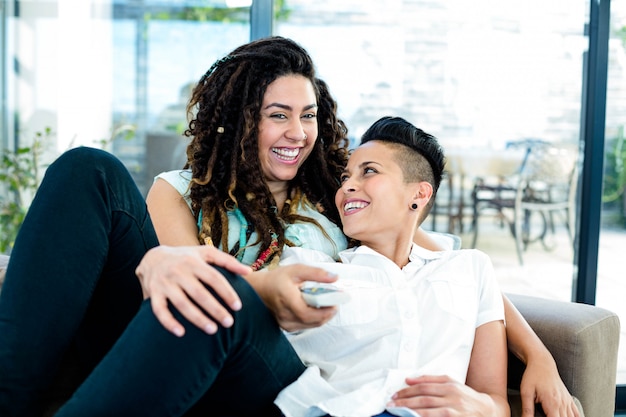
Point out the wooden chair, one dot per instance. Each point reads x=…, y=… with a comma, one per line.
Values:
x=528, y=201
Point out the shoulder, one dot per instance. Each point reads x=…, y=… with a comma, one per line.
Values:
x=179, y=179
x=466, y=255
x=463, y=266
x=324, y=236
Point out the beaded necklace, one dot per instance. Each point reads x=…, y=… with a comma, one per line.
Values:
x=266, y=254
x=243, y=231
x=243, y=238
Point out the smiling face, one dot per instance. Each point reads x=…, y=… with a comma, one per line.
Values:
x=288, y=128
x=374, y=200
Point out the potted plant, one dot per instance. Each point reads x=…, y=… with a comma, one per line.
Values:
x=20, y=171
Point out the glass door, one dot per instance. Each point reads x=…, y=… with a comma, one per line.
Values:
x=611, y=283
x=485, y=78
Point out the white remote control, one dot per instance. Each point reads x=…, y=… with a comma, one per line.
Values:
x=324, y=295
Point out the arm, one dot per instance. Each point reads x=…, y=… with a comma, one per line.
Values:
x=487, y=371
x=279, y=289
x=425, y=241
x=541, y=382
x=177, y=275
x=173, y=220
x=484, y=393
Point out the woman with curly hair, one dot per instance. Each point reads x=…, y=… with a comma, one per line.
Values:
x=263, y=164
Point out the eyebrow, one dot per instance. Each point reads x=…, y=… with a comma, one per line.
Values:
x=286, y=107
x=361, y=165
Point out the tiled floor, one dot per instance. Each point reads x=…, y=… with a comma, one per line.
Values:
x=549, y=274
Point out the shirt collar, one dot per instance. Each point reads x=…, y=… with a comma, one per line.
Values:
x=418, y=252
x=418, y=255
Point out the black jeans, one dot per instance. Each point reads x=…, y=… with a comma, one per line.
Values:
x=71, y=288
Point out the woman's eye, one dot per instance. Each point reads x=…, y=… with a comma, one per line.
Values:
x=369, y=170
x=343, y=179
x=309, y=116
x=278, y=116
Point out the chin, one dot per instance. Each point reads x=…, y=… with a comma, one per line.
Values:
x=351, y=233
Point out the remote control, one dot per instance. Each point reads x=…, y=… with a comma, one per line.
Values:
x=324, y=295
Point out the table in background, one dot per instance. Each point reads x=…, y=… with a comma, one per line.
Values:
x=465, y=166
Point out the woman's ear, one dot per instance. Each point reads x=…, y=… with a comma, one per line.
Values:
x=423, y=193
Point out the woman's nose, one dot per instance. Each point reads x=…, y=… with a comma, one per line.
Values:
x=296, y=132
x=348, y=186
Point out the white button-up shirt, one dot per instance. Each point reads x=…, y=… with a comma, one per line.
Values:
x=413, y=321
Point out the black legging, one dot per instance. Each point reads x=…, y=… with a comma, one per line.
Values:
x=71, y=284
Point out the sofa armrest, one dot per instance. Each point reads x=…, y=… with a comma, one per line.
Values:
x=583, y=340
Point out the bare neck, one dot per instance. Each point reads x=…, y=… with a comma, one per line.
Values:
x=396, y=249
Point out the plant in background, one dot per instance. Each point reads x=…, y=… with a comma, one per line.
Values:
x=615, y=175
x=124, y=131
x=19, y=177
x=239, y=14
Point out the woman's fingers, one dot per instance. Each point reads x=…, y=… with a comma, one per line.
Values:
x=165, y=317
x=178, y=275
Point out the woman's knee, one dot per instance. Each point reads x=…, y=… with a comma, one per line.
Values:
x=86, y=168
x=85, y=159
x=244, y=290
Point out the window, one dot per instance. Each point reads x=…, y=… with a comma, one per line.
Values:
x=114, y=74
x=611, y=286
x=477, y=75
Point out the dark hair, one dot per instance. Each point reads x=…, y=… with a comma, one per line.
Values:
x=223, y=153
x=425, y=146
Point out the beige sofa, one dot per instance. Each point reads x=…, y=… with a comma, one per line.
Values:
x=583, y=340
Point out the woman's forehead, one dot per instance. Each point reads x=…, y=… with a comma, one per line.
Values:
x=290, y=87
x=371, y=151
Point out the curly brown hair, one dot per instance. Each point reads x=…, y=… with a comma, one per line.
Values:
x=223, y=153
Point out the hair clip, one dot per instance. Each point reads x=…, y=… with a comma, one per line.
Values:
x=215, y=65
x=220, y=129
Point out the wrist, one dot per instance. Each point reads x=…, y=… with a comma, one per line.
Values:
x=255, y=279
x=538, y=355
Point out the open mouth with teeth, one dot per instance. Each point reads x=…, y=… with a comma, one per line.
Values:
x=354, y=205
x=286, y=154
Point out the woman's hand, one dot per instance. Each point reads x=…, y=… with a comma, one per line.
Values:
x=280, y=290
x=441, y=395
x=541, y=383
x=176, y=274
